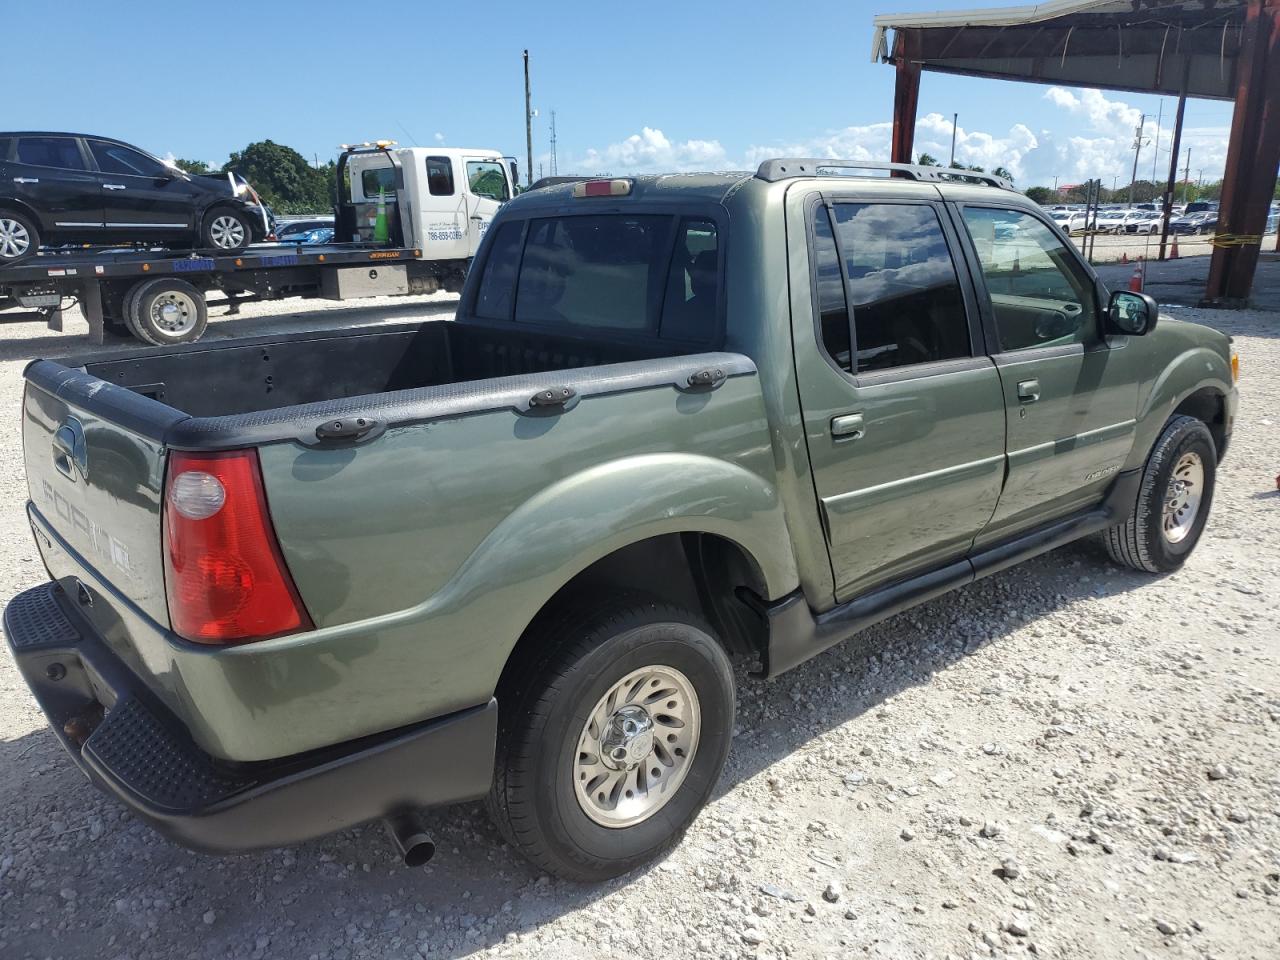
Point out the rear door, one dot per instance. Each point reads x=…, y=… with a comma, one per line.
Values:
x=142, y=198
x=487, y=189
x=51, y=175
x=903, y=411
x=1071, y=395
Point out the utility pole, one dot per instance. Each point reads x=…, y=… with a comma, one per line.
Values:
x=1137, y=149
x=554, y=166
x=1186, y=177
x=528, y=125
x=955, y=119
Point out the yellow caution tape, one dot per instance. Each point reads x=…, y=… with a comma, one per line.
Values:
x=1236, y=240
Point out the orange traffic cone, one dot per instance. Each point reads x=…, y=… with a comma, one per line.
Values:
x=1124, y=256
x=1173, y=252
x=1135, y=281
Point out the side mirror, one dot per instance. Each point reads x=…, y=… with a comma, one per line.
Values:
x=1131, y=314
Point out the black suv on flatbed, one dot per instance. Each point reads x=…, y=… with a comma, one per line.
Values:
x=60, y=188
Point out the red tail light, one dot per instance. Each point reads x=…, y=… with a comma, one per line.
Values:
x=225, y=577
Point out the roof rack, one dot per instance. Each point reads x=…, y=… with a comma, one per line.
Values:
x=784, y=168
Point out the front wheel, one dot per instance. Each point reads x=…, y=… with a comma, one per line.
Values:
x=226, y=230
x=615, y=741
x=1173, y=500
x=19, y=237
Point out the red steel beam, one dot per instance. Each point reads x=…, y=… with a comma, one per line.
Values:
x=906, y=97
x=1253, y=155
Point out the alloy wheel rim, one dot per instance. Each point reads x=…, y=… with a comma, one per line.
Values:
x=226, y=232
x=15, y=239
x=173, y=314
x=1182, y=498
x=637, y=746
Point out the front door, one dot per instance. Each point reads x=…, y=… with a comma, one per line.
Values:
x=487, y=189
x=1070, y=393
x=52, y=176
x=142, y=198
x=903, y=411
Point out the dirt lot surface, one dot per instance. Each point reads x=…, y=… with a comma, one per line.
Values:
x=1065, y=760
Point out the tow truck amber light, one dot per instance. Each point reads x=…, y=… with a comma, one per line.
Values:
x=225, y=577
x=602, y=188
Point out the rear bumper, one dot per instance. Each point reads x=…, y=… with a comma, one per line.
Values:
x=132, y=747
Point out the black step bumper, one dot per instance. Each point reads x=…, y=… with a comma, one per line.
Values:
x=132, y=747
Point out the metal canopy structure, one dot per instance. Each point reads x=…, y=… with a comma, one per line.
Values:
x=1217, y=49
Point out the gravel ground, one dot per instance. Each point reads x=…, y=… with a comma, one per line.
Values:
x=1066, y=759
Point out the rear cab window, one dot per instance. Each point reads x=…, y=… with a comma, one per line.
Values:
x=649, y=275
x=377, y=180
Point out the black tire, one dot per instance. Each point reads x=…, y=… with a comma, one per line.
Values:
x=16, y=229
x=1140, y=542
x=583, y=653
x=213, y=234
x=140, y=313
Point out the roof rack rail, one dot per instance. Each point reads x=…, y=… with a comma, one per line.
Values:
x=784, y=168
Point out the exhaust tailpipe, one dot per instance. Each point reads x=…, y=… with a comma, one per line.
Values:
x=410, y=838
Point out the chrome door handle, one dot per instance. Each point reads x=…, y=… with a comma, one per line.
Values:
x=848, y=427
x=26, y=180
x=1029, y=391
x=113, y=186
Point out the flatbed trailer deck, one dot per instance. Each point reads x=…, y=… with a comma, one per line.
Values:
x=108, y=284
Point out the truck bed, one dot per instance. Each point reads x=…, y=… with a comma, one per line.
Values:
x=261, y=374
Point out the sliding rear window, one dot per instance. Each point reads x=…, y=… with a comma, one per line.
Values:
x=642, y=274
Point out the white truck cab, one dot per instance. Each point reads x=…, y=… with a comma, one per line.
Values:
x=448, y=199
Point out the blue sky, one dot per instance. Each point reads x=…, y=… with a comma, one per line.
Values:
x=648, y=87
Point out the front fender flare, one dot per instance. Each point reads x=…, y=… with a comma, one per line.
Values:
x=1189, y=372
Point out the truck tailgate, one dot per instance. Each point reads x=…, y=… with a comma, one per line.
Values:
x=96, y=485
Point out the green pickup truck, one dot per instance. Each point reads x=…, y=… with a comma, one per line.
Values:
x=306, y=581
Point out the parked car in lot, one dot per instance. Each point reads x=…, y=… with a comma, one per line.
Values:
x=307, y=580
x=1206, y=221
x=1071, y=221
x=1143, y=222
x=64, y=188
x=291, y=229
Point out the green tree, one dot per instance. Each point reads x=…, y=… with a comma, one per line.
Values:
x=927, y=160
x=975, y=167
x=1003, y=172
x=192, y=166
x=283, y=177
x=1041, y=195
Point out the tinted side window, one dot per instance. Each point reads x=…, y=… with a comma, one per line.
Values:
x=902, y=286
x=832, y=309
x=690, y=309
x=440, y=176
x=1039, y=295
x=493, y=302
x=61, y=152
x=594, y=271
x=113, y=158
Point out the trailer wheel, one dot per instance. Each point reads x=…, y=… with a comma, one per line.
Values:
x=19, y=236
x=226, y=229
x=164, y=311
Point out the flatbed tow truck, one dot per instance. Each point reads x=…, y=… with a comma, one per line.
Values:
x=434, y=206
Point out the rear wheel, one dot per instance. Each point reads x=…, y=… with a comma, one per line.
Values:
x=165, y=311
x=1173, y=500
x=611, y=744
x=19, y=237
x=226, y=230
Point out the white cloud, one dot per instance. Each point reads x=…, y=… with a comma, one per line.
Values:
x=439, y=138
x=1097, y=142
x=1112, y=116
x=650, y=151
